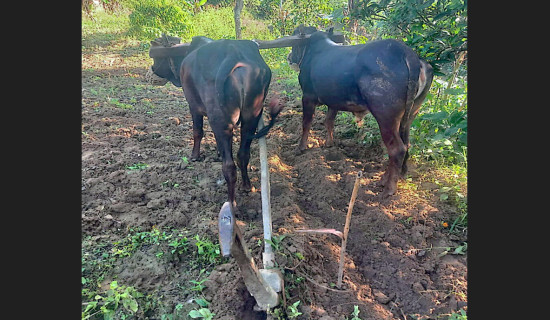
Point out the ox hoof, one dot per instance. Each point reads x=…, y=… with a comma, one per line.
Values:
x=329, y=144
x=384, y=180
x=247, y=187
x=388, y=191
x=300, y=150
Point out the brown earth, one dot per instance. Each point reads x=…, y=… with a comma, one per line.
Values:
x=395, y=267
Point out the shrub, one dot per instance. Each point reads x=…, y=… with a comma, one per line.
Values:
x=440, y=131
x=151, y=18
x=220, y=24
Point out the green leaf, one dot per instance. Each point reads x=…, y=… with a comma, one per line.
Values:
x=450, y=131
x=443, y=197
x=425, y=5
x=435, y=116
x=205, y=312
x=454, y=91
x=202, y=302
x=195, y=314
x=202, y=2
x=461, y=249
x=91, y=305
x=442, y=15
x=130, y=304
x=114, y=285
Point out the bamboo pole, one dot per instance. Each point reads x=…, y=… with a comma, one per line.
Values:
x=346, y=228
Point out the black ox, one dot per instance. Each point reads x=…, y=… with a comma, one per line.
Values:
x=385, y=77
x=225, y=80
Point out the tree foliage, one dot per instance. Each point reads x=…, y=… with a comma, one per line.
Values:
x=151, y=18
x=435, y=29
x=285, y=16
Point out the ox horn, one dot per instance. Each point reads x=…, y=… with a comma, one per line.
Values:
x=290, y=41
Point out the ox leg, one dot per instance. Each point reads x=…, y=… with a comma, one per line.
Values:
x=224, y=141
x=404, y=134
x=198, y=133
x=248, y=128
x=329, y=125
x=396, y=152
x=308, y=106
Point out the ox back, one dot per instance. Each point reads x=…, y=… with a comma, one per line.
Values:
x=385, y=77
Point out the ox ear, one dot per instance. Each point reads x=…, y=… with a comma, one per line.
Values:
x=330, y=31
x=155, y=43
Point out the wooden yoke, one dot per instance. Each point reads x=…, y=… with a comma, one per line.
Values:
x=164, y=48
x=174, y=51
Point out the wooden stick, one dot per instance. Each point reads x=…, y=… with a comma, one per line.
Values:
x=320, y=285
x=346, y=228
x=164, y=52
x=287, y=41
x=331, y=231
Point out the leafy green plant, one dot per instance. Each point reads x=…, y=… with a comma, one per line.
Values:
x=179, y=245
x=355, y=313
x=275, y=242
x=137, y=166
x=203, y=313
x=440, y=131
x=118, y=300
x=198, y=286
x=119, y=104
x=207, y=251
x=461, y=315
x=169, y=184
x=135, y=239
x=292, y=310
x=459, y=250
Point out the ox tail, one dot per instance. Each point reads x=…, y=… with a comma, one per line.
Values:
x=226, y=68
x=275, y=107
x=413, y=65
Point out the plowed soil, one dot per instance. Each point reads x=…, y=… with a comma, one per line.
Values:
x=397, y=264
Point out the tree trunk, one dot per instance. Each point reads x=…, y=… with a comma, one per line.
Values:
x=237, y=14
x=352, y=22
